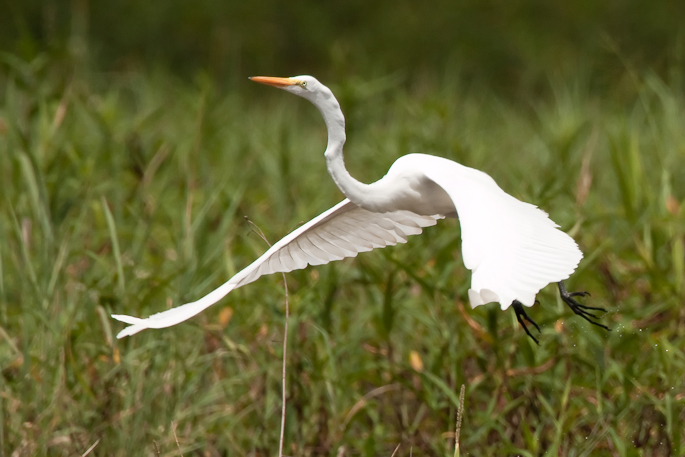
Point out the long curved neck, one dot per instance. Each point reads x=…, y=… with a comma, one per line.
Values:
x=356, y=191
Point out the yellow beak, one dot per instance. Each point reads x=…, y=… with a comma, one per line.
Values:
x=273, y=81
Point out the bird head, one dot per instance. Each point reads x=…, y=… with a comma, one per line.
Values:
x=305, y=86
x=321, y=96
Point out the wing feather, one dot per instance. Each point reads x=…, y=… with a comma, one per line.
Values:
x=512, y=248
x=342, y=231
x=300, y=258
x=366, y=237
x=331, y=236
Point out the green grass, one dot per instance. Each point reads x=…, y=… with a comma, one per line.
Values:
x=127, y=193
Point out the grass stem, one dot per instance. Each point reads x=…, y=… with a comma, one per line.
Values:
x=460, y=415
x=285, y=344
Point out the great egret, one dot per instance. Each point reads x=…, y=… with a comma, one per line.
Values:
x=512, y=248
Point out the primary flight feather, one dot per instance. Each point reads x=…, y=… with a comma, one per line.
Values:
x=512, y=248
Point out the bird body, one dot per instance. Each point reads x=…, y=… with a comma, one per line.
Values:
x=512, y=248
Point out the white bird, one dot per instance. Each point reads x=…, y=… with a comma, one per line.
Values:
x=512, y=248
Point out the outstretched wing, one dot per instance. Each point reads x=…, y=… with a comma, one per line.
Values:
x=513, y=248
x=342, y=231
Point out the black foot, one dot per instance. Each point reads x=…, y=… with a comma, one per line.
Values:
x=521, y=313
x=579, y=309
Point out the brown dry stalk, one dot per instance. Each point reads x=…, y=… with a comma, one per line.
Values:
x=285, y=342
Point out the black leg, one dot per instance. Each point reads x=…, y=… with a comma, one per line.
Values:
x=581, y=310
x=521, y=313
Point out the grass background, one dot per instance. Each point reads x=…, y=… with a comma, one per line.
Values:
x=125, y=186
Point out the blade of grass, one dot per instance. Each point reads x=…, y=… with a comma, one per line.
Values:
x=111, y=226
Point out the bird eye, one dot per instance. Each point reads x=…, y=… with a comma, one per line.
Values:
x=303, y=84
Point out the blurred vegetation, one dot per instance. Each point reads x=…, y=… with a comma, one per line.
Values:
x=131, y=147
x=507, y=44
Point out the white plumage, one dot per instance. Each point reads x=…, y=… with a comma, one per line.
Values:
x=342, y=231
x=512, y=248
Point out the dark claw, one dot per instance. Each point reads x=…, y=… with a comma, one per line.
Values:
x=521, y=313
x=591, y=307
x=579, y=294
x=577, y=308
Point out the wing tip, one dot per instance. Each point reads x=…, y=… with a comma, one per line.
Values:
x=482, y=297
x=127, y=319
x=136, y=325
x=131, y=330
